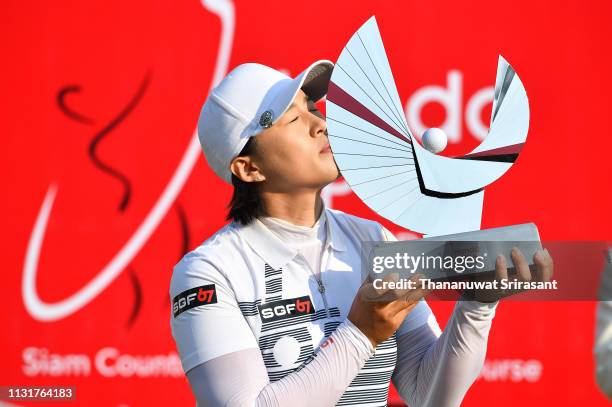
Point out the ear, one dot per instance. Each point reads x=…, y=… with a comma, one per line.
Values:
x=246, y=170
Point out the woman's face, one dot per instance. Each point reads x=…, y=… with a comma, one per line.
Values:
x=294, y=153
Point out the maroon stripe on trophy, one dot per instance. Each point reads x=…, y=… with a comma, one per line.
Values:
x=513, y=149
x=337, y=95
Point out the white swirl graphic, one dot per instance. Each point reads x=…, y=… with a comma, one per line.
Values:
x=43, y=311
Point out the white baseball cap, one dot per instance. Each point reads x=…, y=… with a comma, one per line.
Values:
x=248, y=100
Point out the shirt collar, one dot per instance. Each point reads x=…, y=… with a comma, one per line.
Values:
x=274, y=251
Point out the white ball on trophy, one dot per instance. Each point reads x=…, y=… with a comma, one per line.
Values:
x=434, y=140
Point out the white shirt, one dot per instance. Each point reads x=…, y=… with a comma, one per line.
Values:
x=308, y=241
x=245, y=288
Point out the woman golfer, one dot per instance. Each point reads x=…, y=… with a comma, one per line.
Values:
x=271, y=310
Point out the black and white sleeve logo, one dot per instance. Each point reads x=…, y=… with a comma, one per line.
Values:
x=277, y=310
x=194, y=297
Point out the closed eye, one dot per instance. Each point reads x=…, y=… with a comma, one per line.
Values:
x=315, y=110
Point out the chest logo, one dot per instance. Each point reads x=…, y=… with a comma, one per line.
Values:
x=282, y=309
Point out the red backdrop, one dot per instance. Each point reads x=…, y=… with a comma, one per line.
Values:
x=100, y=102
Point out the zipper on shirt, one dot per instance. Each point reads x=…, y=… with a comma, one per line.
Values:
x=323, y=266
x=322, y=291
x=320, y=285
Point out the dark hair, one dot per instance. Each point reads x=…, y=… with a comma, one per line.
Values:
x=246, y=204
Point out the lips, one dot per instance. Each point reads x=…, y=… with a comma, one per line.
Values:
x=325, y=149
